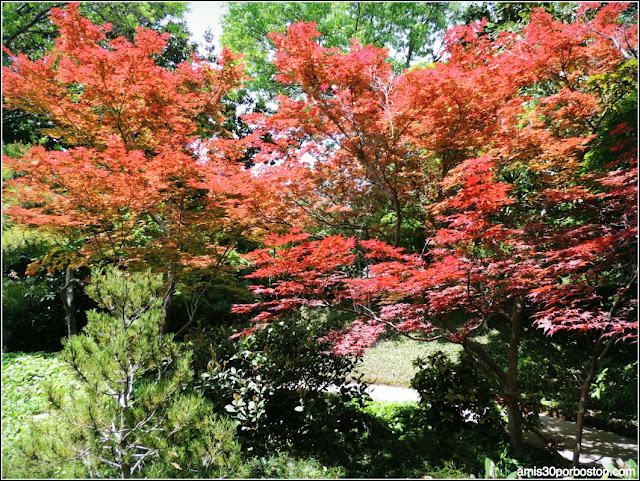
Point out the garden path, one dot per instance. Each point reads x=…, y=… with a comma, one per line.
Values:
x=597, y=446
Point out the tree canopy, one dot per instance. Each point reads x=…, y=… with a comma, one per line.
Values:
x=516, y=223
x=410, y=30
x=27, y=29
x=131, y=177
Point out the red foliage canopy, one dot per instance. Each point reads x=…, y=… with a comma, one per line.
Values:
x=520, y=106
x=135, y=162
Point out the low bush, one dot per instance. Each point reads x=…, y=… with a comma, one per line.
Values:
x=286, y=466
x=397, y=440
x=282, y=385
x=552, y=369
x=33, y=313
x=455, y=392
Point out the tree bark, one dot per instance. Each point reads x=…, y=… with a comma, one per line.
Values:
x=184, y=328
x=514, y=411
x=407, y=62
x=506, y=382
x=514, y=419
x=168, y=297
x=171, y=272
x=591, y=372
x=69, y=311
x=38, y=18
x=398, y=224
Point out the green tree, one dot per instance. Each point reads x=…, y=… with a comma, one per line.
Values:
x=410, y=30
x=513, y=16
x=129, y=414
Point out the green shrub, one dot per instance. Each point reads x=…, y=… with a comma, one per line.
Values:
x=33, y=317
x=455, y=392
x=407, y=442
x=275, y=384
x=552, y=369
x=28, y=302
x=33, y=313
x=286, y=466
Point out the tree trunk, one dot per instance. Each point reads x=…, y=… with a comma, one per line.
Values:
x=168, y=297
x=512, y=396
x=183, y=329
x=407, y=62
x=171, y=270
x=505, y=382
x=514, y=416
x=69, y=311
x=591, y=372
x=125, y=471
x=398, y=225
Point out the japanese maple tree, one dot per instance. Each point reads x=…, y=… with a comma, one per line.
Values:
x=587, y=274
x=380, y=141
x=491, y=146
x=142, y=171
x=586, y=234
x=385, y=288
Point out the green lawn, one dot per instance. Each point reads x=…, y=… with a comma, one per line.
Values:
x=390, y=361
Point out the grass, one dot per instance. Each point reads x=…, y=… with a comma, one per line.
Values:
x=390, y=361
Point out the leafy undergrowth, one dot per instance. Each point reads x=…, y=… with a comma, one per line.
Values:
x=399, y=440
x=23, y=375
x=396, y=440
x=286, y=466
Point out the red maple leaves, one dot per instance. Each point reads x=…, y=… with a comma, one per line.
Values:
x=452, y=134
x=484, y=151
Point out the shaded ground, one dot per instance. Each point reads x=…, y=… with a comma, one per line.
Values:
x=597, y=445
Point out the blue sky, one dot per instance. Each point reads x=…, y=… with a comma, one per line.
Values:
x=203, y=15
